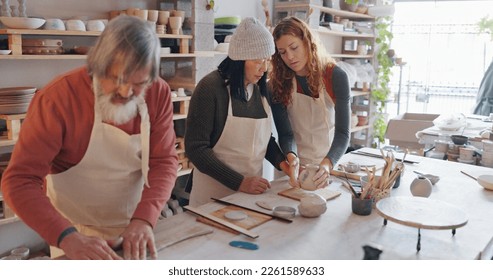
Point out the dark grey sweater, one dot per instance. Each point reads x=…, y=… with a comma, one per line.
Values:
x=205, y=123
x=341, y=89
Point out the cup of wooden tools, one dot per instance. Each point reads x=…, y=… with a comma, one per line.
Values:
x=378, y=187
x=361, y=206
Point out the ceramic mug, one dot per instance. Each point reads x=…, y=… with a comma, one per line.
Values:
x=142, y=14
x=181, y=92
x=306, y=177
x=152, y=15
x=163, y=17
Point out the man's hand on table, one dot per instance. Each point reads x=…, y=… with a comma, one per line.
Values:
x=81, y=247
x=137, y=238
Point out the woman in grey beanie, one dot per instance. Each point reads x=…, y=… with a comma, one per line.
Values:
x=229, y=121
x=312, y=98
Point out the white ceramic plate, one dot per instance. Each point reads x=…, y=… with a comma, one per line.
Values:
x=236, y=215
x=5, y=52
x=486, y=181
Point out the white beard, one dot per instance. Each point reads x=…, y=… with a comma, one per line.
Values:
x=117, y=113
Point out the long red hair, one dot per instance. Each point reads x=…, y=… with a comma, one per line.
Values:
x=281, y=75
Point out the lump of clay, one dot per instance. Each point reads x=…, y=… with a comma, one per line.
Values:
x=312, y=205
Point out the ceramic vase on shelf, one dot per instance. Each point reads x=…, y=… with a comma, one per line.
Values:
x=22, y=8
x=5, y=12
x=421, y=186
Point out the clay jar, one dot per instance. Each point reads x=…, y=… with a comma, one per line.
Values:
x=306, y=177
x=421, y=186
x=312, y=205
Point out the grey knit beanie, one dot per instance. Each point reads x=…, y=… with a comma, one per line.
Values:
x=251, y=41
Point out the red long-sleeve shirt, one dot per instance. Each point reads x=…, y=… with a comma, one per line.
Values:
x=55, y=136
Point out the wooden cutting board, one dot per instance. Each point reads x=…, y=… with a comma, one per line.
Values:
x=166, y=235
x=297, y=193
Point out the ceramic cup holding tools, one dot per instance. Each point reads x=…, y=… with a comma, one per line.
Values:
x=361, y=207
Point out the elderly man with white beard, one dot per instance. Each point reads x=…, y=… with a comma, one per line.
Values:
x=95, y=161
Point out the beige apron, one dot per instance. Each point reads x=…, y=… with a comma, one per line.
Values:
x=313, y=122
x=100, y=194
x=242, y=146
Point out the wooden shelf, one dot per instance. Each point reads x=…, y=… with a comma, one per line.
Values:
x=6, y=143
x=366, y=56
x=184, y=172
x=83, y=57
x=355, y=93
x=323, y=30
x=332, y=11
x=359, y=128
x=15, y=41
x=341, y=13
x=358, y=107
x=179, y=117
x=181, y=83
x=75, y=33
x=10, y=220
x=179, y=98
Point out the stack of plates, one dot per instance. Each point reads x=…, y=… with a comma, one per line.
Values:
x=15, y=100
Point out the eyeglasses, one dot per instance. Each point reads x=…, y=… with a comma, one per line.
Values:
x=120, y=81
x=261, y=63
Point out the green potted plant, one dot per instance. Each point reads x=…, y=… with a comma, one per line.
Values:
x=380, y=90
x=486, y=25
x=348, y=5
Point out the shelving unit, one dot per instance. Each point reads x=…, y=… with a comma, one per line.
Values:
x=15, y=38
x=192, y=59
x=334, y=41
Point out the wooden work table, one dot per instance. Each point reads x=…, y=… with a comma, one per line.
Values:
x=340, y=234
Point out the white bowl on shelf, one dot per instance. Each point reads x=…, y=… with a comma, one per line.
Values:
x=22, y=22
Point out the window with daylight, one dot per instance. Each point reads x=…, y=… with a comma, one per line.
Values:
x=444, y=55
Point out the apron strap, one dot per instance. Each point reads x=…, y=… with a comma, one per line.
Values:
x=145, y=132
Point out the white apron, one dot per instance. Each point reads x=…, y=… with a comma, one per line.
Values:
x=242, y=146
x=313, y=122
x=100, y=193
